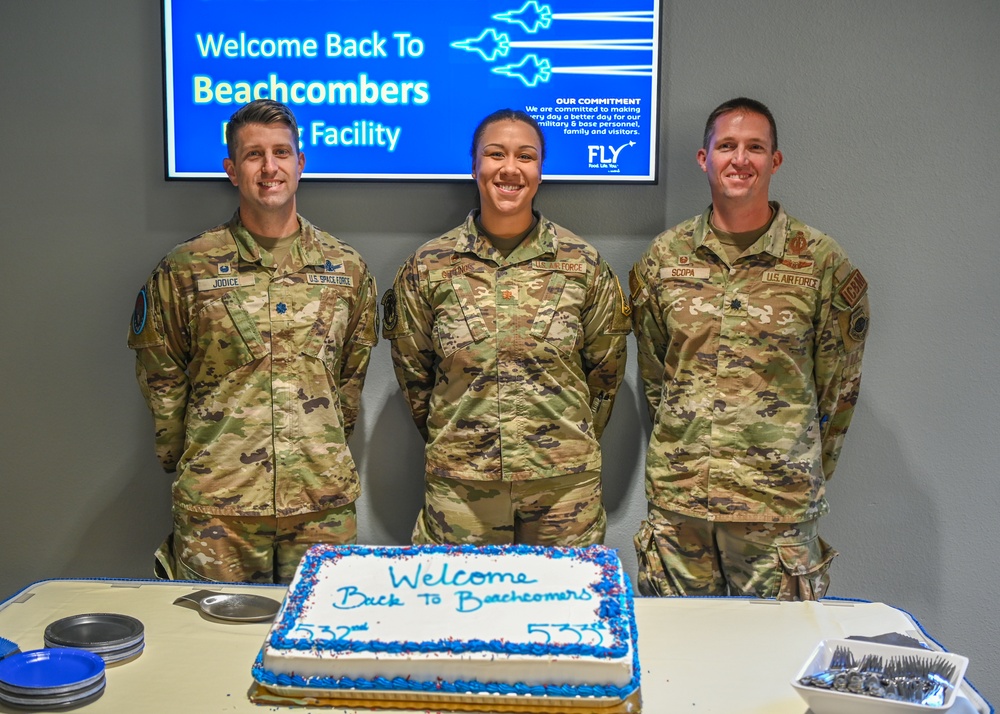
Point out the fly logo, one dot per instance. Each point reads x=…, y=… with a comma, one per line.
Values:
x=600, y=156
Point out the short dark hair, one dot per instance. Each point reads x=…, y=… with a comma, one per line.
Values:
x=745, y=105
x=507, y=115
x=260, y=111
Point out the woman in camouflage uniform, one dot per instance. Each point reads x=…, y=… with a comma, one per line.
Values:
x=508, y=341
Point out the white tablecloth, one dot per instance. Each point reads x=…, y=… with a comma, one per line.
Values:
x=698, y=655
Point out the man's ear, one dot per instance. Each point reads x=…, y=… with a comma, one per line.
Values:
x=702, y=157
x=776, y=160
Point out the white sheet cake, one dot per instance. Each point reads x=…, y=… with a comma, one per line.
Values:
x=455, y=621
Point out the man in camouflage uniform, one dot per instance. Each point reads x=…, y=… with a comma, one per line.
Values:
x=510, y=366
x=751, y=328
x=252, y=342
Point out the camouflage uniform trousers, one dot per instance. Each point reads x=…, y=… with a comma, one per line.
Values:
x=681, y=555
x=252, y=549
x=556, y=511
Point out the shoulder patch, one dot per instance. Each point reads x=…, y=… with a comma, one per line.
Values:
x=144, y=328
x=390, y=314
x=141, y=311
x=854, y=326
x=854, y=288
x=859, y=323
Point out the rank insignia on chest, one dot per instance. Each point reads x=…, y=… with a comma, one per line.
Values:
x=225, y=269
x=507, y=296
x=332, y=267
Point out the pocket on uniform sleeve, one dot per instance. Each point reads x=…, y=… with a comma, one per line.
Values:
x=804, y=569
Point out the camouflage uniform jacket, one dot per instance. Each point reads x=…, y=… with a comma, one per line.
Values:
x=253, y=374
x=510, y=365
x=751, y=371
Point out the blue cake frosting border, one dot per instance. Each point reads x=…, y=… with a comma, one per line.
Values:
x=609, y=588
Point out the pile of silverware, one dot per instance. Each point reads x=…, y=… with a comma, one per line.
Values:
x=913, y=679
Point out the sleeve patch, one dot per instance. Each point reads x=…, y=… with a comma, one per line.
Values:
x=854, y=326
x=140, y=312
x=145, y=329
x=390, y=314
x=854, y=288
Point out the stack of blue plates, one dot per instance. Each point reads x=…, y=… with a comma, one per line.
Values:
x=51, y=679
x=115, y=638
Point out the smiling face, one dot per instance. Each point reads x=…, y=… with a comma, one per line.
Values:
x=508, y=168
x=740, y=159
x=266, y=168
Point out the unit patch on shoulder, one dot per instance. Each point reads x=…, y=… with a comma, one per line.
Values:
x=145, y=329
x=854, y=326
x=140, y=312
x=859, y=323
x=854, y=288
x=390, y=317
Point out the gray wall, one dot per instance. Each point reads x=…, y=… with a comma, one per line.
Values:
x=888, y=118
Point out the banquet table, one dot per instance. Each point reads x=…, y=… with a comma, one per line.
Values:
x=726, y=655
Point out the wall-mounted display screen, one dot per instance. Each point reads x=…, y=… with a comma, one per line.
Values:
x=392, y=89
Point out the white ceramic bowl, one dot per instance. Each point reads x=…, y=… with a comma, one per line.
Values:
x=828, y=701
